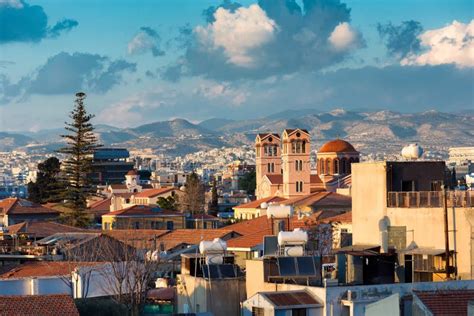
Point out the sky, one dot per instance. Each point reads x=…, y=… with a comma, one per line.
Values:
x=144, y=61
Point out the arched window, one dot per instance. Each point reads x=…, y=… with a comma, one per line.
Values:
x=336, y=166
x=303, y=149
x=328, y=166
x=343, y=165
x=301, y=165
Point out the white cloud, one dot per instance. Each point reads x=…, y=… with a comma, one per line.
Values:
x=344, y=37
x=129, y=112
x=452, y=44
x=11, y=3
x=221, y=91
x=239, y=34
x=140, y=43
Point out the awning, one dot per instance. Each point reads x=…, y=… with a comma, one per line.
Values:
x=423, y=251
x=360, y=250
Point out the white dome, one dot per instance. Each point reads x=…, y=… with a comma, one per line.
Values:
x=412, y=152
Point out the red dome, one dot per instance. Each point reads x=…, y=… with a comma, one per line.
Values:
x=132, y=172
x=338, y=146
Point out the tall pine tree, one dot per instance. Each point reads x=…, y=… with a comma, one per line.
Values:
x=81, y=144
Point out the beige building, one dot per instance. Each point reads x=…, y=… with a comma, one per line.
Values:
x=399, y=205
x=283, y=165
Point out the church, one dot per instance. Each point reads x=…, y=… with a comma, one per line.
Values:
x=283, y=165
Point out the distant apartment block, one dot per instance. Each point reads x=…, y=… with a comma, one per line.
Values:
x=110, y=165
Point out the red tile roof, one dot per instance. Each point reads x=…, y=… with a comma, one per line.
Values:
x=143, y=210
x=315, y=179
x=21, y=206
x=257, y=203
x=38, y=305
x=275, y=178
x=153, y=192
x=341, y=218
x=137, y=238
x=254, y=230
x=102, y=205
x=320, y=199
x=337, y=145
x=44, y=269
x=193, y=236
x=42, y=229
x=118, y=186
x=447, y=302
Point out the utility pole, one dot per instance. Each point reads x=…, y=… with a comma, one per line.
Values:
x=446, y=230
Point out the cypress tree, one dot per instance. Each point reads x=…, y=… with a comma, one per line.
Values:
x=81, y=144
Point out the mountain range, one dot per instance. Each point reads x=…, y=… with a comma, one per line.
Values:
x=370, y=132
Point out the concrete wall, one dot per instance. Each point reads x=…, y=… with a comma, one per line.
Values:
x=34, y=286
x=368, y=202
x=389, y=306
x=219, y=296
x=425, y=226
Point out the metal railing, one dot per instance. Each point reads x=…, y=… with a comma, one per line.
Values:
x=416, y=199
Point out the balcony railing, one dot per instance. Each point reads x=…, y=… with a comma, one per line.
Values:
x=418, y=199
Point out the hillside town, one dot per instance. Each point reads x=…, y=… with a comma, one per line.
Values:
x=236, y=158
x=319, y=232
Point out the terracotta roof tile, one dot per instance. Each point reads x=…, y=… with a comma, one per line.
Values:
x=337, y=145
x=21, y=206
x=42, y=229
x=257, y=203
x=319, y=199
x=44, y=269
x=143, y=210
x=153, y=192
x=315, y=179
x=38, y=305
x=341, y=218
x=102, y=205
x=193, y=236
x=137, y=238
x=275, y=178
x=447, y=302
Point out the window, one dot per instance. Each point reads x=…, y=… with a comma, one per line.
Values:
x=299, y=186
x=136, y=225
x=169, y=225
x=258, y=311
x=298, y=312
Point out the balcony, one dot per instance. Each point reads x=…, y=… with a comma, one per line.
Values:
x=417, y=199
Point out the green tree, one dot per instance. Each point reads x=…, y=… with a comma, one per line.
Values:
x=248, y=182
x=81, y=144
x=214, y=207
x=48, y=187
x=193, y=198
x=167, y=203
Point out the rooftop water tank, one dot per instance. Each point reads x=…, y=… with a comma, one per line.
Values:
x=412, y=152
x=217, y=245
x=297, y=236
x=279, y=211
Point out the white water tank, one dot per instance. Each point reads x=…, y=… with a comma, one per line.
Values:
x=214, y=259
x=217, y=245
x=279, y=211
x=412, y=152
x=295, y=251
x=297, y=236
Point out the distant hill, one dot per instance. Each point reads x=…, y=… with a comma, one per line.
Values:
x=10, y=141
x=369, y=131
x=215, y=124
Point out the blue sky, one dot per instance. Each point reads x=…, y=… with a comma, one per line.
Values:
x=143, y=61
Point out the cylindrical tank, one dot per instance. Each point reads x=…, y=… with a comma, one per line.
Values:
x=214, y=259
x=295, y=237
x=279, y=211
x=412, y=152
x=295, y=251
x=217, y=245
